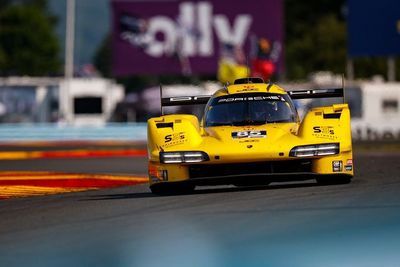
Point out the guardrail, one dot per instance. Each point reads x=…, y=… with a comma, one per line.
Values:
x=59, y=132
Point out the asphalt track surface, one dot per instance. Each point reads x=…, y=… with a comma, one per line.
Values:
x=294, y=224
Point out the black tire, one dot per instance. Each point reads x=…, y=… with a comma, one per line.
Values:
x=332, y=180
x=171, y=189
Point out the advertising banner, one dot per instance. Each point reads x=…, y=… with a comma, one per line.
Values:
x=189, y=37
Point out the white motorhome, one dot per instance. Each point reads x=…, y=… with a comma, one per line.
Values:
x=78, y=101
x=88, y=101
x=376, y=109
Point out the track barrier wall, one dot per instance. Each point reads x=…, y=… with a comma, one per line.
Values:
x=137, y=132
x=59, y=132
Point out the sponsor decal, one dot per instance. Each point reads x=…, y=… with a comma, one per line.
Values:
x=326, y=132
x=348, y=168
x=247, y=90
x=324, y=129
x=349, y=165
x=251, y=98
x=249, y=134
x=249, y=141
x=337, y=166
x=174, y=139
x=187, y=98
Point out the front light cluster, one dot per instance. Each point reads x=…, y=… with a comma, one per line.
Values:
x=183, y=157
x=315, y=150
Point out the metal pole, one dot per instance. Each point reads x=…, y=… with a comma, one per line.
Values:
x=69, y=40
x=391, y=64
x=350, y=69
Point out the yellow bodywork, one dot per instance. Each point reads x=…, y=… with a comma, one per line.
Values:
x=182, y=132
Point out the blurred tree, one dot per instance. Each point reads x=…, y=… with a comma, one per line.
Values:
x=4, y=3
x=322, y=47
x=42, y=4
x=366, y=67
x=2, y=56
x=102, y=57
x=315, y=37
x=27, y=40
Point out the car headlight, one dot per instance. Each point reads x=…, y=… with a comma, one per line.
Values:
x=183, y=157
x=315, y=150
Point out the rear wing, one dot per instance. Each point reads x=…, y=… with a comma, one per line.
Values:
x=316, y=93
x=294, y=94
x=297, y=94
x=184, y=100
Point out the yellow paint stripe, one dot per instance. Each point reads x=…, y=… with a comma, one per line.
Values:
x=8, y=191
x=18, y=155
x=75, y=142
x=24, y=191
x=15, y=155
x=55, y=176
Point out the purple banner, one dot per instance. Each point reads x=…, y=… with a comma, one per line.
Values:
x=172, y=37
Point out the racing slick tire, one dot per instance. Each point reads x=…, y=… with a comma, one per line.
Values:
x=172, y=189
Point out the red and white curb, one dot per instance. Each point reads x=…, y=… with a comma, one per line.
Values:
x=23, y=184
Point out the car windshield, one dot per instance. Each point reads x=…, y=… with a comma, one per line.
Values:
x=249, y=109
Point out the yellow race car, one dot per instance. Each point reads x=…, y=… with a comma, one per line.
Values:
x=250, y=134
